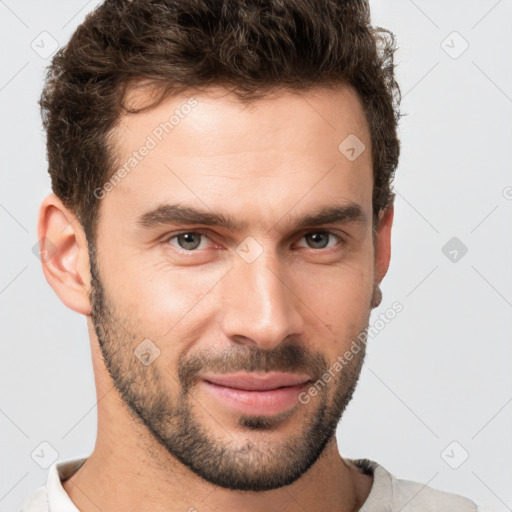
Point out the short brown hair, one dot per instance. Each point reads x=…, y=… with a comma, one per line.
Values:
x=250, y=46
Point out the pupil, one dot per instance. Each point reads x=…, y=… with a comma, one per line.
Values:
x=315, y=237
x=187, y=237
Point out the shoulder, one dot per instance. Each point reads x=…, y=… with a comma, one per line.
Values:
x=53, y=496
x=414, y=496
x=407, y=495
x=37, y=502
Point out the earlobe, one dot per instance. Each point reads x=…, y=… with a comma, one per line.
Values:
x=64, y=254
x=383, y=243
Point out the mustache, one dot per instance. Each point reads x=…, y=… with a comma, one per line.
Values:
x=284, y=358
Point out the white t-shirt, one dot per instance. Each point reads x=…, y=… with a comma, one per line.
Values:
x=388, y=494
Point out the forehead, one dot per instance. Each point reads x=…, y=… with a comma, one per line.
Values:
x=210, y=149
x=211, y=113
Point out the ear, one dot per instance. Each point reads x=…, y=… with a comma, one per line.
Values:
x=64, y=254
x=383, y=243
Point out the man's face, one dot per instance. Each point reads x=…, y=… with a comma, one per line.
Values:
x=264, y=296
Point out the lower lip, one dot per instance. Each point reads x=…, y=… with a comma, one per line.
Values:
x=257, y=402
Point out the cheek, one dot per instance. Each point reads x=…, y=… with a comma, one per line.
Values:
x=339, y=301
x=161, y=301
x=341, y=289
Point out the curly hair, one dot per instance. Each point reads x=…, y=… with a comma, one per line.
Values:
x=249, y=46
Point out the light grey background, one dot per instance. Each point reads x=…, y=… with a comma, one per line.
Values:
x=438, y=373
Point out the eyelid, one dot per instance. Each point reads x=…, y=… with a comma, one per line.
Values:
x=168, y=237
x=342, y=241
x=206, y=233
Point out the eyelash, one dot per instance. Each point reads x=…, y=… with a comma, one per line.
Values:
x=335, y=248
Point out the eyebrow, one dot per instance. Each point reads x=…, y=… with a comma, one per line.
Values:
x=186, y=215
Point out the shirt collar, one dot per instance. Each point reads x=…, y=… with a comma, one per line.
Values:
x=58, y=498
x=382, y=487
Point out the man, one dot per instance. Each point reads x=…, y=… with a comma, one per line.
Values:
x=222, y=215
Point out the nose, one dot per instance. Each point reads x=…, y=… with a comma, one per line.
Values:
x=260, y=305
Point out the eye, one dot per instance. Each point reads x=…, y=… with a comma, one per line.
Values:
x=319, y=239
x=188, y=240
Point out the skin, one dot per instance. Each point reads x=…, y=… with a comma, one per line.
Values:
x=296, y=307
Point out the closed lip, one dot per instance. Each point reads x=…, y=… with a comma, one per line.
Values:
x=257, y=382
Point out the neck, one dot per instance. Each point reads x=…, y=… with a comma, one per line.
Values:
x=120, y=475
x=129, y=470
